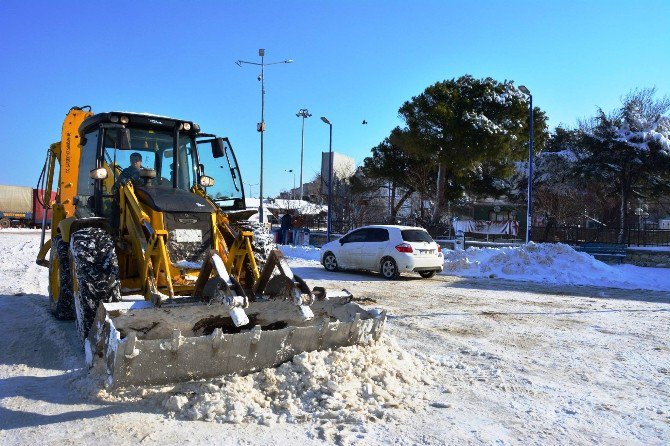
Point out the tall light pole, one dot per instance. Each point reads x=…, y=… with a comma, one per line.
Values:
x=291, y=171
x=302, y=113
x=261, y=125
x=529, y=214
x=330, y=176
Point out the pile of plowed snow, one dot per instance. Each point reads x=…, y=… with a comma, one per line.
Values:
x=350, y=385
x=301, y=252
x=552, y=263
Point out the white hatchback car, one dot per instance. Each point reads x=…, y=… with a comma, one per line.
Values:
x=385, y=248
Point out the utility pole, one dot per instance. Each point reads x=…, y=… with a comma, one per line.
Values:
x=302, y=113
x=261, y=125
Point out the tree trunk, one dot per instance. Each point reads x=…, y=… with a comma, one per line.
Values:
x=622, y=211
x=439, y=193
x=392, y=203
x=402, y=200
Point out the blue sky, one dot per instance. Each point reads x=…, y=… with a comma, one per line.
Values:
x=354, y=60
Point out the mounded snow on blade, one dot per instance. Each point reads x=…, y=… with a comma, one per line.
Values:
x=135, y=343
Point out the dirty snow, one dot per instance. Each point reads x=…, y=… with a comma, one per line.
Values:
x=339, y=390
x=466, y=360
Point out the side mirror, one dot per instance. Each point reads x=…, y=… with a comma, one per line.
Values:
x=206, y=181
x=123, y=139
x=98, y=174
x=218, y=150
x=341, y=242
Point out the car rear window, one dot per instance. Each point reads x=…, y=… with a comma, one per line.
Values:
x=416, y=235
x=377, y=235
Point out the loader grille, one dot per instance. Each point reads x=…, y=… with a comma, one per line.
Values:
x=189, y=237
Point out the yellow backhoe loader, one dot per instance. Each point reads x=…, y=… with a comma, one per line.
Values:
x=164, y=284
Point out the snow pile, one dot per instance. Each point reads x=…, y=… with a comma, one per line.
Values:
x=301, y=252
x=551, y=263
x=349, y=385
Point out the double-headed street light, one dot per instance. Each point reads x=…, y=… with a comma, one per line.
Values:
x=261, y=125
x=330, y=176
x=529, y=214
x=302, y=113
x=251, y=195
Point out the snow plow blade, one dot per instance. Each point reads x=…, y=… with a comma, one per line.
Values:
x=136, y=343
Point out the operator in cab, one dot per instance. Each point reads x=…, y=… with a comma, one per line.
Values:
x=130, y=173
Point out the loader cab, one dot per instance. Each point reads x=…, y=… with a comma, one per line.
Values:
x=169, y=159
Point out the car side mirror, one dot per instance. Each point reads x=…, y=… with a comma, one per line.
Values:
x=218, y=148
x=342, y=242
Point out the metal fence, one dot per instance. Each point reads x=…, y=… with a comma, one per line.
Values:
x=573, y=235
x=576, y=235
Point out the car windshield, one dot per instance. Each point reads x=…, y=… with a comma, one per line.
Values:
x=156, y=149
x=416, y=235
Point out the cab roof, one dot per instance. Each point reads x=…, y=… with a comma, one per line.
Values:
x=143, y=120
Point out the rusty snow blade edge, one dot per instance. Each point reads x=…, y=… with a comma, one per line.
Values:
x=135, y=343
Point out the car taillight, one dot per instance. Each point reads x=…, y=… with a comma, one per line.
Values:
x=404, y=247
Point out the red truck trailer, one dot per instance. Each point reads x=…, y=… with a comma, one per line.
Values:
x=22, y=207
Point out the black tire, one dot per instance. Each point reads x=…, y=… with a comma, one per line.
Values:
x=95, y=274
x=263, y=241
x=330, y=262
x=427, y=274
x=389, y=269
x=5, y=223
x=61, y=299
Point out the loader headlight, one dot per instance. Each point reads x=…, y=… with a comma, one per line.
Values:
x=186, y=126
x=206, y=181
x=114, y=119
x=98, y=174
x=124, y=119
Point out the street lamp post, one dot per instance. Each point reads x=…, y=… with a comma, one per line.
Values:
x=291, y=171
x=261, y=125
x=330, y=177
x=529, y=214
x=251, y=195
x=302, y=113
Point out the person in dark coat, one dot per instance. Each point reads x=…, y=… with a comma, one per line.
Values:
x=130, y=173
x=286, y=224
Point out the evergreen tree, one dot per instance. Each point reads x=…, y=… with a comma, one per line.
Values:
x=472, y=130
x=394, y=161
x=628, y=151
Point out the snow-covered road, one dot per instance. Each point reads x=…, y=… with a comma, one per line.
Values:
x=505, y=363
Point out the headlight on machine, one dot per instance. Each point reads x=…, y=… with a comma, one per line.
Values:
x=206, y=181
x=98, y=174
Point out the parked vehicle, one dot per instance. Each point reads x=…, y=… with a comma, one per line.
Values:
x=388, y=249
x=22, y=207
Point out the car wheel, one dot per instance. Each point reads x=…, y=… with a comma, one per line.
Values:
x=330, y=262
x=389, y=269
x=426, y=274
